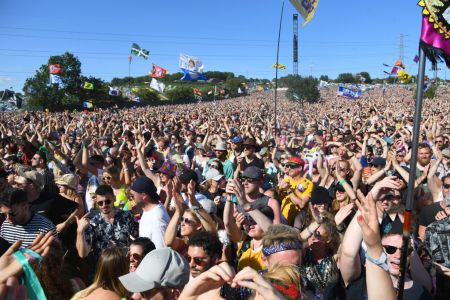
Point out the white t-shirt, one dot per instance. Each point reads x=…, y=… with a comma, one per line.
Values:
x=153, y=225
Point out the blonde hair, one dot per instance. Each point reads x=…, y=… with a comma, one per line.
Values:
x=284, y=274
x=279, y=234
x=111, y=265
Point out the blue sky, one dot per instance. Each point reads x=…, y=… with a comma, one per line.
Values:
x=237, y=36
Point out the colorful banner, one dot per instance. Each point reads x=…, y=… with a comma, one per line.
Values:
x=192, y=68
x=114, y=91
x=88, y=104
x=307, y=8
x=158, y=72
x=346, y=92
x=54, y=69
x=55, y=79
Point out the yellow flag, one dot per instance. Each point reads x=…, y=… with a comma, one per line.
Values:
x=279, y=66
x=306, y=8
x=88, y=85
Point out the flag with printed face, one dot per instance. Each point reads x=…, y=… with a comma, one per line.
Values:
x=138, y=51
x=88, y=85
x=113, y=91
x=307, y=8
x=158, y=72
x=156, y=85
x=55, y=79
x=54, y=69
x=192, y=68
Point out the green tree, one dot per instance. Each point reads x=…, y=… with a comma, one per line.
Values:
x=51, y=95
x=180, y=93
x=302, y=88
x=232, y=84
x=148, y=95
x=366, y=76
x=324, y=78
x=346, y=78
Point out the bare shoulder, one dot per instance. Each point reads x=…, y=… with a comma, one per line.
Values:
x=100, y=294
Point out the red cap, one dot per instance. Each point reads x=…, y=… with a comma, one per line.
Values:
x=296, y=160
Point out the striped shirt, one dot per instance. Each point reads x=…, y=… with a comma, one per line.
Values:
x=27, y=232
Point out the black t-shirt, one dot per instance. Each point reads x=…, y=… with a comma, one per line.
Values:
x=357, y=290
x=54, y=207
x=257, y=162
x=428, y=214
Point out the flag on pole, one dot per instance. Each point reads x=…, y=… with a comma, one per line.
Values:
x=55, y=79
x=88, y=85
x=394, y=71
x=138, y=51
x=403, y=76
x=306, y=8
x=113, y=91
x=435, y=35
x=88, y=104
x=279, y=66
x=156, y=85
x=398, y=63
x=158, y=72
x=54, y=69
x=416, y=59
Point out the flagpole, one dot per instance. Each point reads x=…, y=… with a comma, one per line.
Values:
x=412, y=174
x=276, y=69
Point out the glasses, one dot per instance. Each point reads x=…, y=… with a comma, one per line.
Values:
x=391, y=197
x=249, y=180
x=107, y=177
x=187, y=221
x=249, y=220
x=10, y=213
x=291, y=166
x=197, y=260
x=392, y=249
x=214, y=167
x=446, y=186
x=102, y=203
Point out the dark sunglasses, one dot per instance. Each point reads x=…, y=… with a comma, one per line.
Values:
x=10, y=213
x=392, y=197
x=197, y=260
x=135, y=256
x=247, y=179
x=187, y=221
x=446, y=186
x=392, y=249
x=107, y=177
x=105, y=202
x=291, y=166
x=249, y=220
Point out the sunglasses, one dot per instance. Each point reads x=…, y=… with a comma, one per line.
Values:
x=214, y=167
x=391, y=197
x=197, y=260
x=291, y=166
x=107, y=177
x=392, y=249
x=10, y=213
x=105, y=202
x=446, y=186
x=249, y=180
x=249, y=220
x=187, y=221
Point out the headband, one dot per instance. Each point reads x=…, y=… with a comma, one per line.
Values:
x=294, y=245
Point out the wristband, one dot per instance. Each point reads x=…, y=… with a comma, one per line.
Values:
x=342, y=181
x=381, y=262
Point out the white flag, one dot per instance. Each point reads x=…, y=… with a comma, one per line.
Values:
x=156, y=85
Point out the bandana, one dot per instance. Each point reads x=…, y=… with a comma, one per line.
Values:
x=294, y=245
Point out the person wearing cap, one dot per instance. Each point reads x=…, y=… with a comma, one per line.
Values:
x=162, y=274
x=220, y=151
x=154, y=218
x=248, y=158
x=295, y=188
x=56, y=208
x=108, y=226
x=236, y=148
x=21, y=223
x=213, y=188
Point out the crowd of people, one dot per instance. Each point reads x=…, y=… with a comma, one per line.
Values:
x=221, y=200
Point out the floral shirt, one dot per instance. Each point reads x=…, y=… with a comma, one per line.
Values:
x=100, y=234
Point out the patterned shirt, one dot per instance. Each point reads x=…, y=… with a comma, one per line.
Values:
x=100, y=234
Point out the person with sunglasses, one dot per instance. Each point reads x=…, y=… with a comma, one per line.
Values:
x=21, y=223
x=353, y=267
x=139, y=248
x=295, y=189
x=98, y=230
